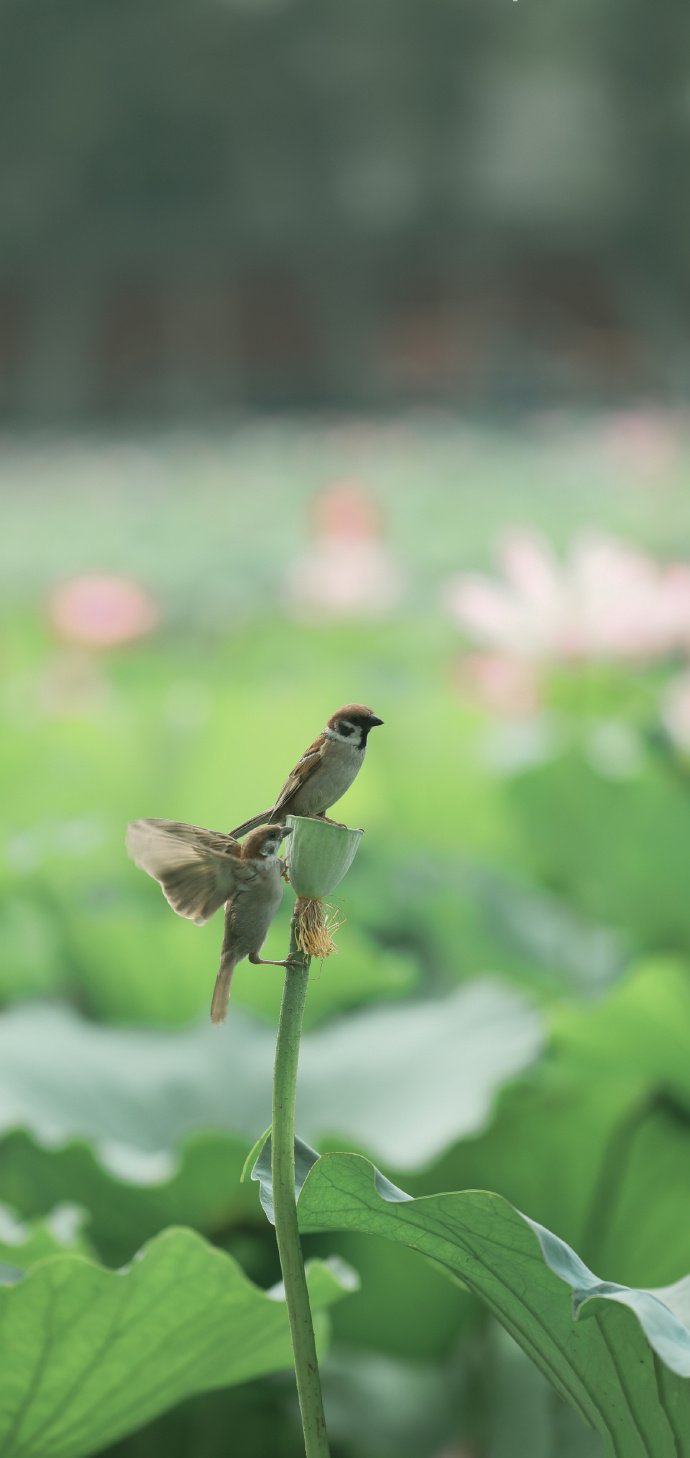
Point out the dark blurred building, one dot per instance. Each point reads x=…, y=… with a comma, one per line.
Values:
x=234, y=204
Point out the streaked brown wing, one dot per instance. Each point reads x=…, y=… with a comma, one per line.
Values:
x=194, y=867
x=297, y=777
x=196, y=836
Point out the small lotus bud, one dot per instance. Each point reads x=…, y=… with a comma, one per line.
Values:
x=319, y=855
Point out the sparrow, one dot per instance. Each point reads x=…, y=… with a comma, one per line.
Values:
x=201, y=870
x=325, y=771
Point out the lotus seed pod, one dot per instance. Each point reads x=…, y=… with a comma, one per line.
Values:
x=319, y=855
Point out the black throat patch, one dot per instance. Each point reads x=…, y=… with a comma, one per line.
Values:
x=356, y=730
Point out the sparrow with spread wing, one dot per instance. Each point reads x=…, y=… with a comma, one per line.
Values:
x=201, y=870
x=326, y=769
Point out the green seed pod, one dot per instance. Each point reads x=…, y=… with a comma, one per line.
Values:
x=319, y=855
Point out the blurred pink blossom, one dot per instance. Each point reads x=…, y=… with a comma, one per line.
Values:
x=344, y=512
x=606, y=600
x=101, y=611
x=645, y=441
x=502, y=684
x=348, y=570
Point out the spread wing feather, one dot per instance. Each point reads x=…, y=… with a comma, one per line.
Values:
x=196, y=868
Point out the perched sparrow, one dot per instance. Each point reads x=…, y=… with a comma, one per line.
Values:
x=201, y=870
x=326, y=769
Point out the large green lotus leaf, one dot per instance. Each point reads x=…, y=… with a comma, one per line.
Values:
x=412, y=1078
x=642, y=1028
x=403, y=1080
x=623, y=1365
x=393, y=1283
x=462, y=916
x=560, y=809
x=580, y=1140
x=22, y=1243
x=202, y=1188
x=90, y=1354
x=147, y=1129
x=582, y=1157
x=648, y=1169
x=548, y=1149
x=576, y=1154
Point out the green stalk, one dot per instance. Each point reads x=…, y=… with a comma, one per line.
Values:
x=285, y=1206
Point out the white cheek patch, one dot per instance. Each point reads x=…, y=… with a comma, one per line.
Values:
x=345, y=733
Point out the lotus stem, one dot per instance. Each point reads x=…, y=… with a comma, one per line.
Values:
x=285, y=1204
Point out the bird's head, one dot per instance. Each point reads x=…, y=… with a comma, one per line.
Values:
x=264, y=842
x=352, y=724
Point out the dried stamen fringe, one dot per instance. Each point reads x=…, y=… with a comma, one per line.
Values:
x=315, y=923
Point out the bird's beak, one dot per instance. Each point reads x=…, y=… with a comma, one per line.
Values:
x=374, y=721
x=287, y=830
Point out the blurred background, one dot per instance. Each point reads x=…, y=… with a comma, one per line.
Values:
x=344, y=355
x=261, y=204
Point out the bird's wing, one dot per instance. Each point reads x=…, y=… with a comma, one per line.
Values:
x=303, y=769
x=256, y=820
x=300, y=774
x=196, y=868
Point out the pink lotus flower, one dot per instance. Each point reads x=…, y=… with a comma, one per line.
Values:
x=645, y=441
x=101, y=611
x=500, y=683
x=349, y=570
x=345, y=512
x=607, y=600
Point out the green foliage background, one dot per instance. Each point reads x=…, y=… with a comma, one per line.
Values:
x=556, y=885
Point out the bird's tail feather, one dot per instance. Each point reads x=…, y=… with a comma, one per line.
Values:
x=221, y=991
x=264, y=818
